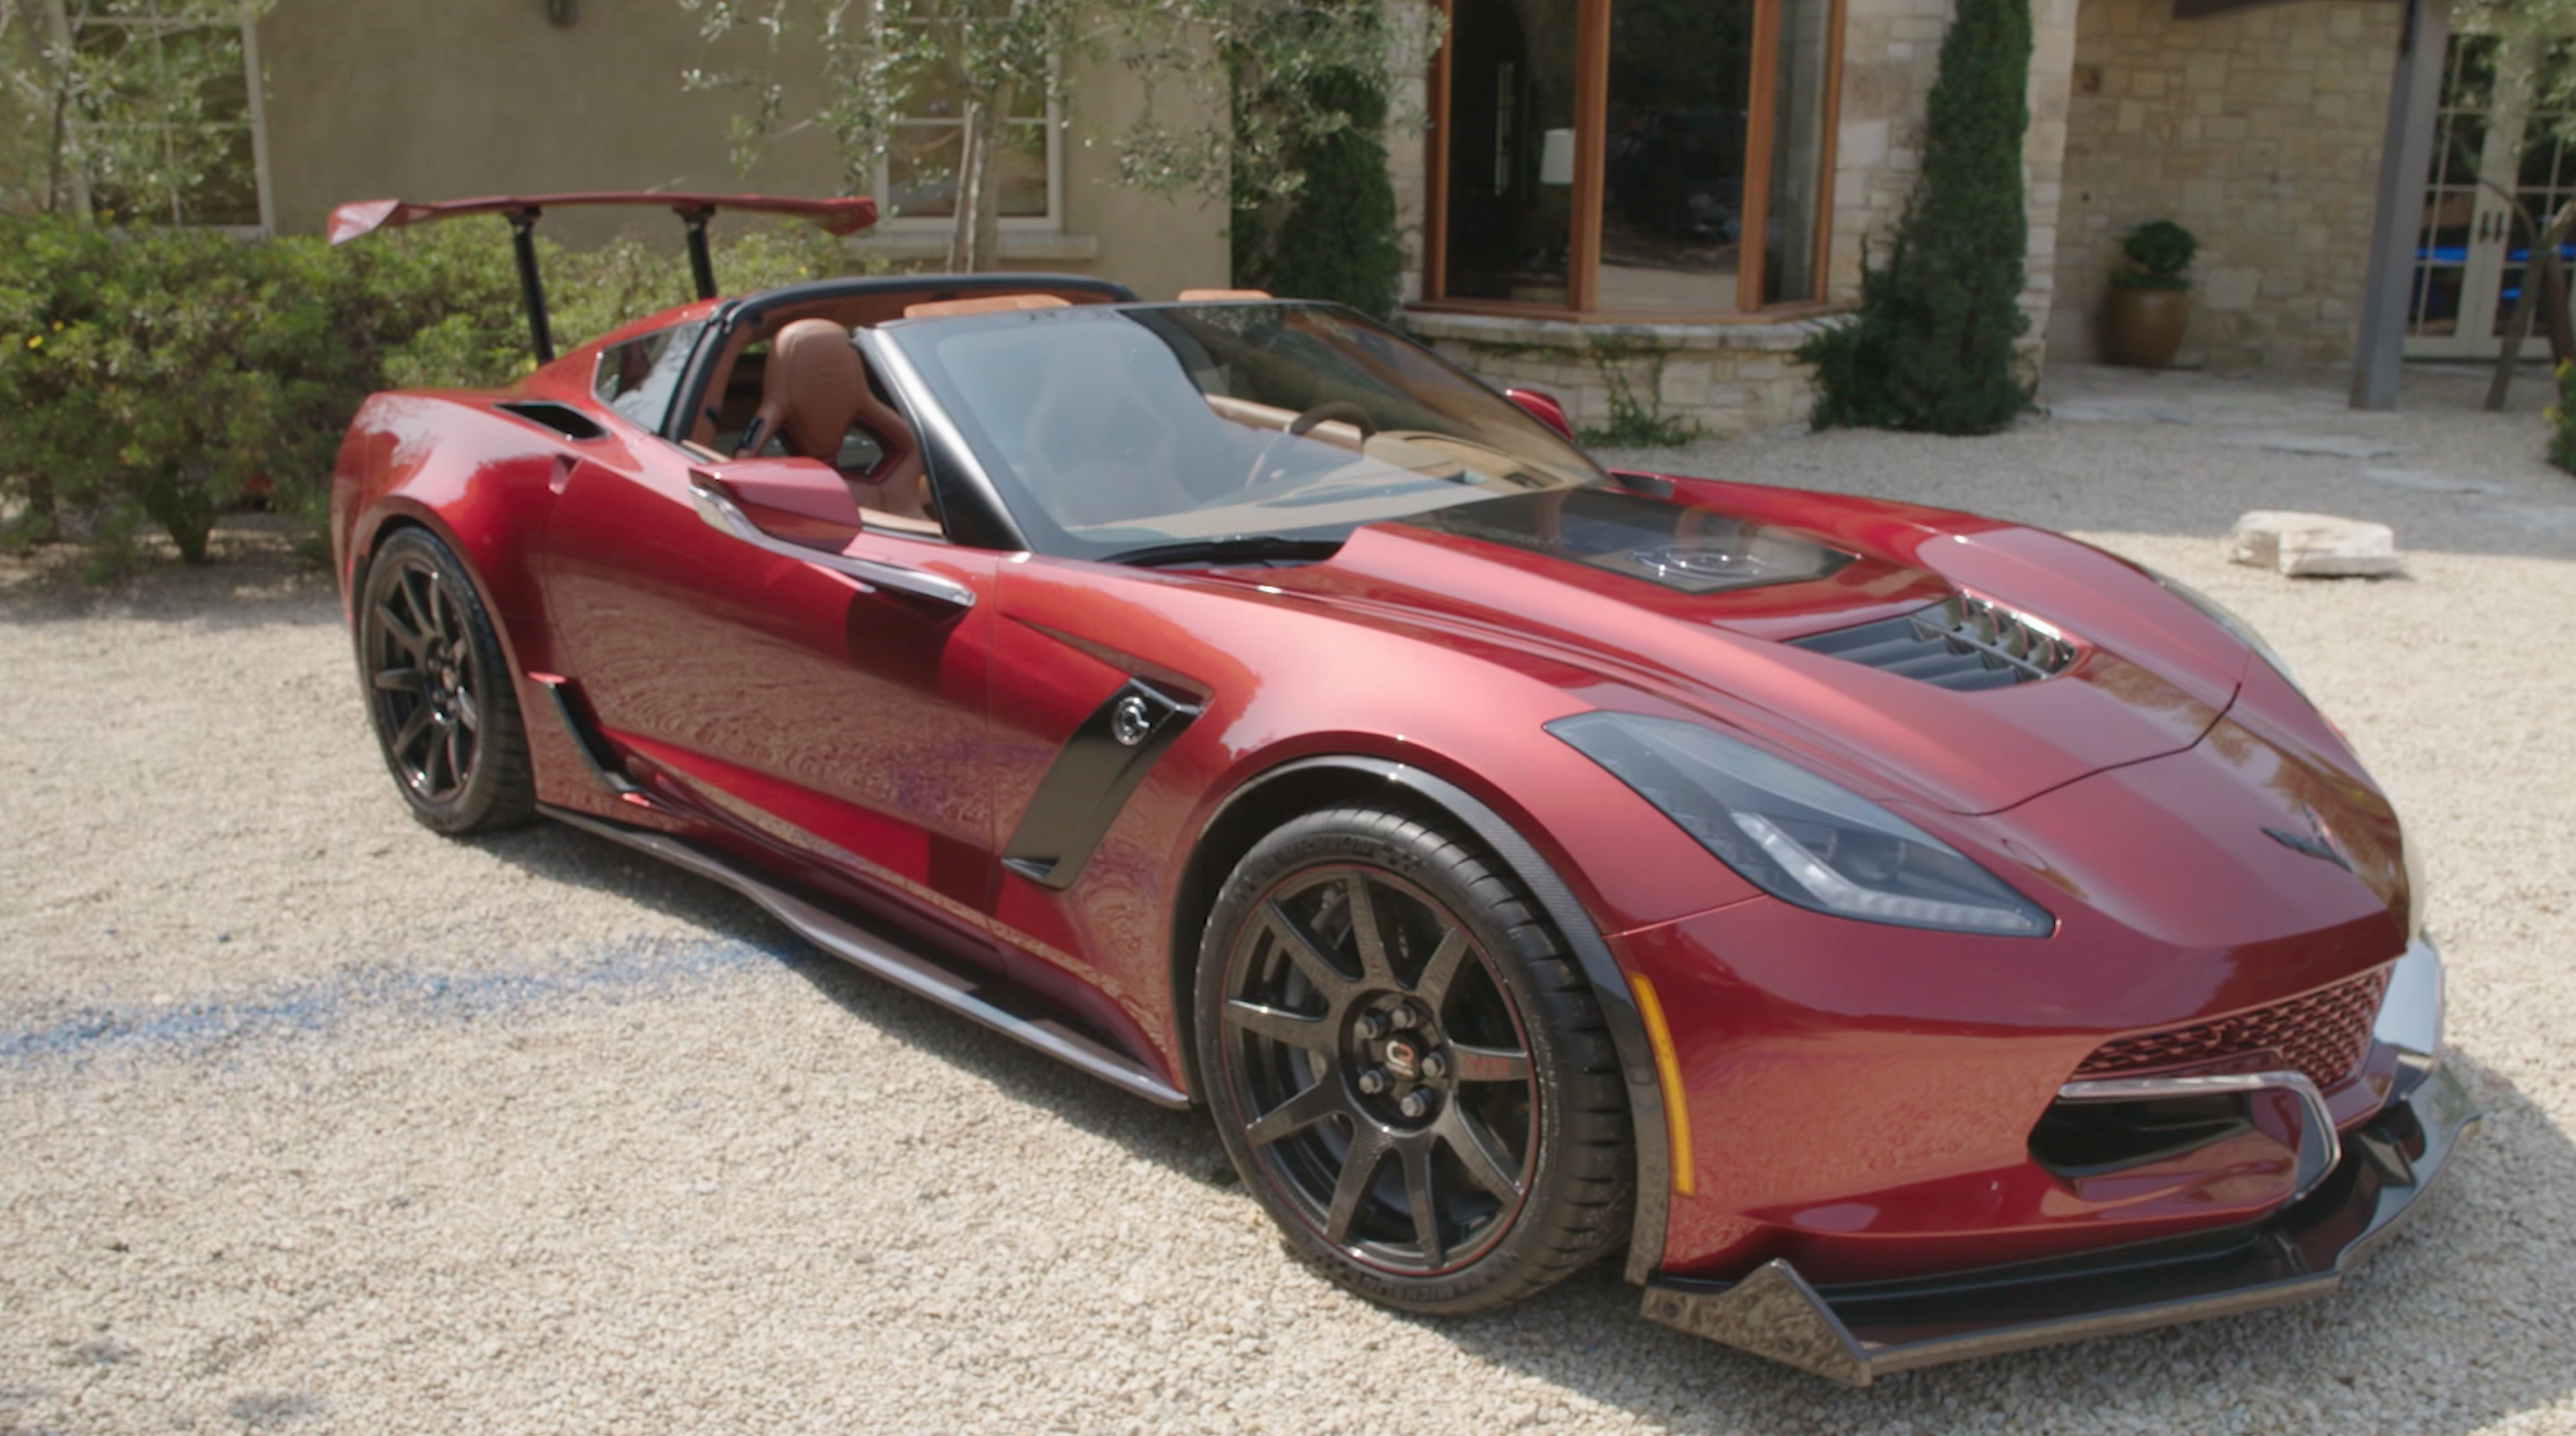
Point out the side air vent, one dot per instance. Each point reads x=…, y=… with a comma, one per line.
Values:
x=562, y=418
x=1963, y=643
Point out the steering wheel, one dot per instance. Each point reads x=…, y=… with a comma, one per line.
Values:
x=1341, y=409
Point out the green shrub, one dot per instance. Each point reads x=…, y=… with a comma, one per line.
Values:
x=153, y=379
x=2158, y=252
x=1335, y=236
x=1931, y=345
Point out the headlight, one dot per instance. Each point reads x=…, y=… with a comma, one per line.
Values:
x=2226, y=618
x=1796, y=836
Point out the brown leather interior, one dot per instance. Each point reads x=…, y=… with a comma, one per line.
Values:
x=814, y=388
x=809, y=391
x=893, y=489
x=982, y=304
x=1203, y=296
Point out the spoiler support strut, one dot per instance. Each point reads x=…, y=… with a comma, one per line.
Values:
x=834, y=216
x=532, y=290
x=702, y=265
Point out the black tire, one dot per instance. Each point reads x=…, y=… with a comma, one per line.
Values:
x=1317, y=1048
x=438, y=690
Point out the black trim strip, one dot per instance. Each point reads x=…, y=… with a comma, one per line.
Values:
x=595, y=753
x=900, y=963
x=1091, y=779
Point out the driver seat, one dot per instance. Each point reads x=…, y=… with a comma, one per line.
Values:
x=812, y=391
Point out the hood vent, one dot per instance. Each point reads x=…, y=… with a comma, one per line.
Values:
x=1961, y=643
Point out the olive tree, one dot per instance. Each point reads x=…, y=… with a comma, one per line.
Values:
x=104, y=104
x=1285, y=78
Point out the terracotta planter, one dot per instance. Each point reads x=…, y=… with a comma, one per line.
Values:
x=2142, y=328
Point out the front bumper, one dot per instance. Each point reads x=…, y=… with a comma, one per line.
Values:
x=1860, y=1331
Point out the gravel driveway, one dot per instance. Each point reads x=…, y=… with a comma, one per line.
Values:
x=311, y=1120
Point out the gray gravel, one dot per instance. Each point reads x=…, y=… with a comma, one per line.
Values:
x=317, y=1122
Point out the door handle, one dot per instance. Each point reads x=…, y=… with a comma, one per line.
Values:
x=725, y=517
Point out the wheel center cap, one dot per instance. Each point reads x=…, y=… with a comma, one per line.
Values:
x=1403, y=1059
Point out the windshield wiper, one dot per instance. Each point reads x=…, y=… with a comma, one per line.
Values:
x=1240, y=548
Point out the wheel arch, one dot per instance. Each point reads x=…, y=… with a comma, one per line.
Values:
x=1272, y=797
x=392, y=520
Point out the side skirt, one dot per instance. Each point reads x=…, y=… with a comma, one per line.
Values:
x=902, y=963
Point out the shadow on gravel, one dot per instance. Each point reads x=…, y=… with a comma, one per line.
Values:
x=2450, y=1328
x=1182, y=1141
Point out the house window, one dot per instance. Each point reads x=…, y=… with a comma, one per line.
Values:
x=917, y=180
x=172, y=129
x=1649, y=157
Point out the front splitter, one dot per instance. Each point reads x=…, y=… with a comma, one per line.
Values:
x=1859, y=1332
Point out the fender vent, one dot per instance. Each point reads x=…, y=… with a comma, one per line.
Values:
x=562, y=418
x=1962, y=642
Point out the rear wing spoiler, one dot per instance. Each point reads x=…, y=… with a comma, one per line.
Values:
x=365, y=217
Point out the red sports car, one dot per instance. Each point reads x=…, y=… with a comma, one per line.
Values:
x=1908, y=935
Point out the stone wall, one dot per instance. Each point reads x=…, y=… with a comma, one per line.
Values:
x=1729, y=379
x=2258, y=131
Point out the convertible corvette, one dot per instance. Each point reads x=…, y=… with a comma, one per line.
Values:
x=1907, y=935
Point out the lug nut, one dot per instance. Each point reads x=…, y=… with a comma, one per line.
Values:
x=1416, y=1103
x=1406, y=1016
x=1435, y=1065
x=1373, y=1081
x=1373, y=1025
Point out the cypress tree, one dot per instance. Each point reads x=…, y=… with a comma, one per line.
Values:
x=1931, y=346
x=1337, y=239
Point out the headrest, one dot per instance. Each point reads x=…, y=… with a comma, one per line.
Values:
x=981, y=304
x=811, y=388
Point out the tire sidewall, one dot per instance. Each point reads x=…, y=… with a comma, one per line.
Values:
x=476, y=800
x=1318, y=841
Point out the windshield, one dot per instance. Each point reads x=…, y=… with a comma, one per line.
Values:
x=1116, y=431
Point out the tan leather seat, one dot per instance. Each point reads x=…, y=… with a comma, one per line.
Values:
x=813, y=389
x=982, y=304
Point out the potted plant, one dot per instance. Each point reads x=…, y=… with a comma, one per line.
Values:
x=2150, y=297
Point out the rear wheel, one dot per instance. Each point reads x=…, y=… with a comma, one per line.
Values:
x=1407, y=1068
x=445, y=715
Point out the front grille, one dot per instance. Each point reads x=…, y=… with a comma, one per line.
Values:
x=2324, y=1034
x=1962, y=643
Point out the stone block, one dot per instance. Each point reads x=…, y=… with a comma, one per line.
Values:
x=2230, y=289
x=2305, y=545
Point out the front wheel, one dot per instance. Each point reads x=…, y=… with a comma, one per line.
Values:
x=439, y=690
x=1407, y=1068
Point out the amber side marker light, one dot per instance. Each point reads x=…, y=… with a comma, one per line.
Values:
x=1669, y=1072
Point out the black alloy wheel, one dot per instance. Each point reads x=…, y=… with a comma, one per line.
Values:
x=438, y=690
x=1407, y=1069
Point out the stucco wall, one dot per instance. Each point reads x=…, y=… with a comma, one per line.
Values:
x=2259, y=132
x=369, y=98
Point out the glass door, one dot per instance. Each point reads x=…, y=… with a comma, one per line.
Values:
x=2494, y=158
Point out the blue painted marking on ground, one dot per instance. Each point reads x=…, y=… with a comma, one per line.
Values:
x=320, y=1006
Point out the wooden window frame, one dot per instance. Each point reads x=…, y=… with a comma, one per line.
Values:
x=1591, y=121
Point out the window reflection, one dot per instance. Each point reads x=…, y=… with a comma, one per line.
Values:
x=1672, y=200
x=1511, y=149
x=1674, y=140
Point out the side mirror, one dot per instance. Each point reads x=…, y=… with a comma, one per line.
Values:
x=1544, y=408
x=802, y=509
x=801, y=500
